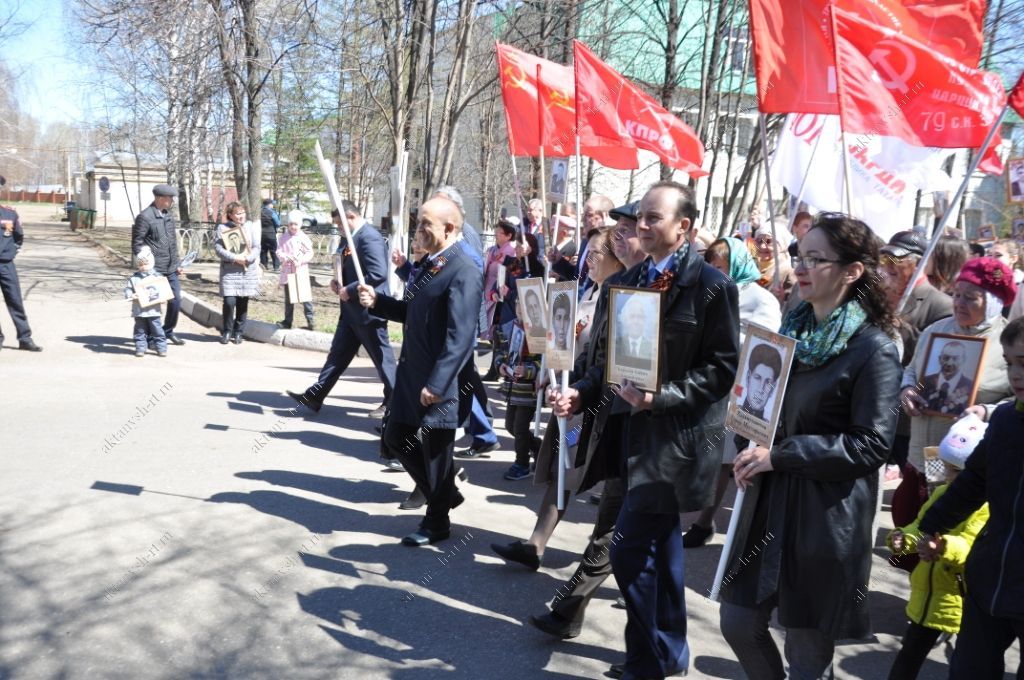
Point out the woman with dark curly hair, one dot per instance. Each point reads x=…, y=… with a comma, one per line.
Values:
x=803, y=543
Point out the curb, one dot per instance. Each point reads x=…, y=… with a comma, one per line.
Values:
x=125, y=260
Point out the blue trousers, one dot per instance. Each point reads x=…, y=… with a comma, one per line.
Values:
x=647, y=560
x=174, y=304
x=347, y=339
x=147, y=327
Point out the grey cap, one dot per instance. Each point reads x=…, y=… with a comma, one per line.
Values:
x=165, y=190
x=628, y=211
x=905, y=243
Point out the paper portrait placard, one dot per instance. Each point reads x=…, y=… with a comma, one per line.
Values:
x=153, y=290
x=299, y=289
x=559, y=171
x=535, y=308
x=952, y=372
x=634, y=337
x=561, y=335
x=1015, y=180
x=755, y=403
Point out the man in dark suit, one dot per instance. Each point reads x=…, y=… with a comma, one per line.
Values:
x=355, y=325
x=671, y=442
x=11, y=238
x=633, y=347
x=438, y=315
x=949, y=390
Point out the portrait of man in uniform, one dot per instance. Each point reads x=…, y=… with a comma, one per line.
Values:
x=760, y=380
x=951, y=371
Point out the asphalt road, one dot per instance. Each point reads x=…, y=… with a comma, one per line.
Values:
x=177, y=518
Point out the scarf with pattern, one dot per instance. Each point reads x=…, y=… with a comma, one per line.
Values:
x=816, y=344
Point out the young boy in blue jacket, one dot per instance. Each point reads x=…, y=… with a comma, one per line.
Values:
x=994, y=606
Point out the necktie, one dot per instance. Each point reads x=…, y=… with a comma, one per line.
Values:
x=652, y=274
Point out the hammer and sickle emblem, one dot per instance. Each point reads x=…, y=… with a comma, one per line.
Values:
x=561, y=100
x=515, y=75
x=887, y=73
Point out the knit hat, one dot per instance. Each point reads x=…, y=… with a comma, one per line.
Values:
x=992, y=276
x=144, y=255
x=959, y=442
x=295, y=217
x=781, y=230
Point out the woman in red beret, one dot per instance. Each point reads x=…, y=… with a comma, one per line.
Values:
x=985, y=285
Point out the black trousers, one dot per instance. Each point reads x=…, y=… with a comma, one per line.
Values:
x=11, y=288
x=917, y=642
x=235, y=311
x=427, y=456
x=982, y=644
x=268, y=251
x=347, y=339
x=519, y=424
x=289, y=310
x=571, y=601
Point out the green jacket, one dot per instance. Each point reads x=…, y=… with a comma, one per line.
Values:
x=937, y=588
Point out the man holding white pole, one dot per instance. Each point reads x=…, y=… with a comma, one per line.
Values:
x=671, y=441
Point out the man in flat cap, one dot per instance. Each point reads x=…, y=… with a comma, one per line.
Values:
x=154, y=227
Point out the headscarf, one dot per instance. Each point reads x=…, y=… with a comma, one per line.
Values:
x=742, y=267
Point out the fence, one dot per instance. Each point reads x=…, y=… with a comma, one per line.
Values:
x=201, y=238
x=33, y=197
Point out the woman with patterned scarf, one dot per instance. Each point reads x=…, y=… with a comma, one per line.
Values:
x=804, y=538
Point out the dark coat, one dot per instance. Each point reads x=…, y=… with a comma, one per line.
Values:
x=675, y=449
x=995, y=474
x=10, y=244
x=804, y=531
x=439, y=316
x=155, y=228
x=373, y=258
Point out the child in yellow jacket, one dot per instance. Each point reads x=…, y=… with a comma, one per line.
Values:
x=937, y=588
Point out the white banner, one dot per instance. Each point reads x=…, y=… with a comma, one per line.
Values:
x=885, y=172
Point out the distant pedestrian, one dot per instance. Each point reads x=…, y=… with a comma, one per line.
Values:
x=296, y=252
x=239, y=275
x=154, y=227
x=11, y=238
x=270, y=222
x=147, y=319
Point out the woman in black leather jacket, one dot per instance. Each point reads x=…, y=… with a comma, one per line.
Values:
x=803, y=544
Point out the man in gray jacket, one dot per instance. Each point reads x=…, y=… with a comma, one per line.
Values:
x=154, y=227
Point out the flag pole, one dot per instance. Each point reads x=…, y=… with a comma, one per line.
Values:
x=953, y=206
x=803, y=184
x=730, y=538
x=332, y=192
x=839, y=99
x=771, y=203
x=544, y=259
x=522, y=220
x=579, y=195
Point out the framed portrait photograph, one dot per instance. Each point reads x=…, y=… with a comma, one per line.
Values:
x=1018, y=229
x=535, y=312
x=561, y=335
x=559, y=171
x=755, y=403
x=153, y=290
x=234, y=241
x=987, y=233
x=1015, y=180
x=952, y=372
x=634, y=337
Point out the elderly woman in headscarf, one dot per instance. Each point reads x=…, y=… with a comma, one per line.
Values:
x=757, y=306
x=771, y=251
x=985, y=285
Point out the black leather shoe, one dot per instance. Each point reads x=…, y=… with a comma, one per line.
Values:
x=697, y=535
x=237, y=338
x=224, y=337
x=457, y=499
x=478, y=451
x=413, y=501
x=553, y=624
x=392, y=465
x=620, y=603
x=520, y=552
x=378, y=412
x=301, y=398
x=616, y=670
x=29, y=346
x=422, y=537
x=462, y=474
x=174, y=339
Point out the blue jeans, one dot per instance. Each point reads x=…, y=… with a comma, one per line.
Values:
x=174, y=304
x=149, y=327
x=480, y=426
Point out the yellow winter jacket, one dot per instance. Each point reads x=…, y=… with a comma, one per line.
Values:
x=937, y=588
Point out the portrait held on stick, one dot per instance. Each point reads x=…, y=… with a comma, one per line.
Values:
x=634, y=337
x=235, y=241
x=531, y=294
x=952, y=373
x=756, y=400
x=561, y=336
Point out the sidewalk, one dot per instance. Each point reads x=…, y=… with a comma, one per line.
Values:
x=180, y=518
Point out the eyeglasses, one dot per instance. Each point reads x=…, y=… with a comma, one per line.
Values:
x=811, y=262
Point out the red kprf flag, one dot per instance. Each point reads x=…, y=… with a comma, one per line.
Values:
x=794, y=57
x=918, y=94
x=614, y=109
x=522, y=93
